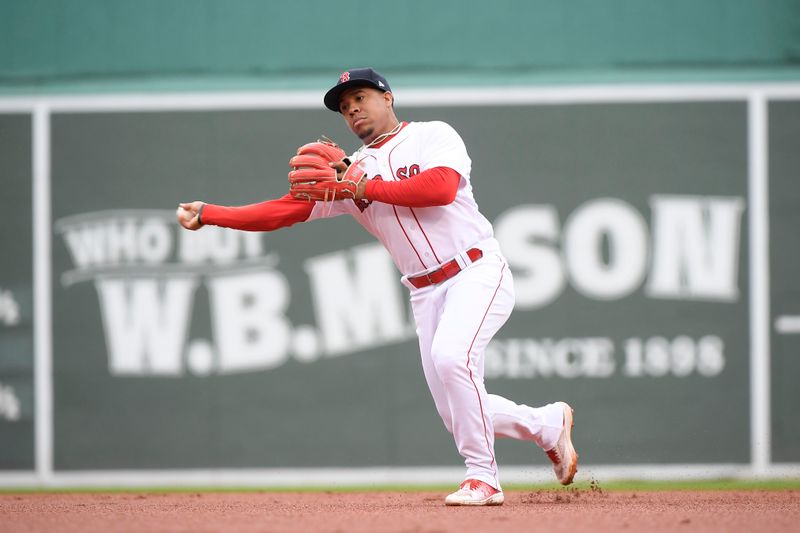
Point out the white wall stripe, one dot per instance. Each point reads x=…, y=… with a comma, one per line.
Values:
x=388, y=476
x=758, y=213
x=412, y=97
x=42, y=317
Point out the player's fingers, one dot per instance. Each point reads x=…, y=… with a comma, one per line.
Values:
x=192, y=207
x=188, y=217
x=191, y=223
x=189, y=207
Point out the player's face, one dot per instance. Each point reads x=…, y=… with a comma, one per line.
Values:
x=368, y=112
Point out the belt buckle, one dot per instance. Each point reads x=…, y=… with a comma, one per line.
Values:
x=427, y=276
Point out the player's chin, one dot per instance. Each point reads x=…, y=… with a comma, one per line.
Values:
x=362, y=130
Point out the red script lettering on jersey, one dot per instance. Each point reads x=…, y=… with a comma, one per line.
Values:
x=407, y=172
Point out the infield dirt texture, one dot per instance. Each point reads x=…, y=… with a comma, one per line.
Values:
x=541, y=510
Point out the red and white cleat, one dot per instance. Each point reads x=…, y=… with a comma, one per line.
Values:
x=475, y=492
x=563, y=455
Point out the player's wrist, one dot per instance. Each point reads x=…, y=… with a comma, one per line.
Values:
x=361, y=189
x=369, y=189
x=200, y=214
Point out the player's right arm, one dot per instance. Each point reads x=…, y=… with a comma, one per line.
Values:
x=313, y=161
x=264, y=216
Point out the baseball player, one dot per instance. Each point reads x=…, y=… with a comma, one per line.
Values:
x=409, y=186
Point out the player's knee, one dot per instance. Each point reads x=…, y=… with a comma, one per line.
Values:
x=448, y=365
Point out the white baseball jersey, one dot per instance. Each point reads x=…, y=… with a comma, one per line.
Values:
x=418, y=238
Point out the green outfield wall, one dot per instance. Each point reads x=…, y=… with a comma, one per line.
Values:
x=633, y=226
x=197, y=395
x=48, y=45
x=784, y=198
x=16, y=294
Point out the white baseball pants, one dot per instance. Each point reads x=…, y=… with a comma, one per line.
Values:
x=455, y=322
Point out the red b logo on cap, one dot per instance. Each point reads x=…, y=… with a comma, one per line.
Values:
x=344, y=77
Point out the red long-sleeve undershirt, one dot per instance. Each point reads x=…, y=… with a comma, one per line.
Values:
x=264, y=216
x=433, y=187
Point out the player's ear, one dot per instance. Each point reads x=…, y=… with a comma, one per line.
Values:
x=389, y=98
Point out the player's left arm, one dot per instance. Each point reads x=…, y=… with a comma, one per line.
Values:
x=444, y=162
x=443, y=159
x=433, y=187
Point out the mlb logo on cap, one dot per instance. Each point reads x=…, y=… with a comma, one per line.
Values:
x=355, y=77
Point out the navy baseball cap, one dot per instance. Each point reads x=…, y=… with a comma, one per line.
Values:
x=356, y=77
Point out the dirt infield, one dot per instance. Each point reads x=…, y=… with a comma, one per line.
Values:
x=548, y=510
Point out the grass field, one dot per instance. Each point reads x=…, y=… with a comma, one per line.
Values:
x=593, y=486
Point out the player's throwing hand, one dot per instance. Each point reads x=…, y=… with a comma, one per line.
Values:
x=189, y=215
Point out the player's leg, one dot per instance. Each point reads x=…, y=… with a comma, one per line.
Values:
x=477, y=303
x=540, y=425
x=426, y=306
x=549, y=427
